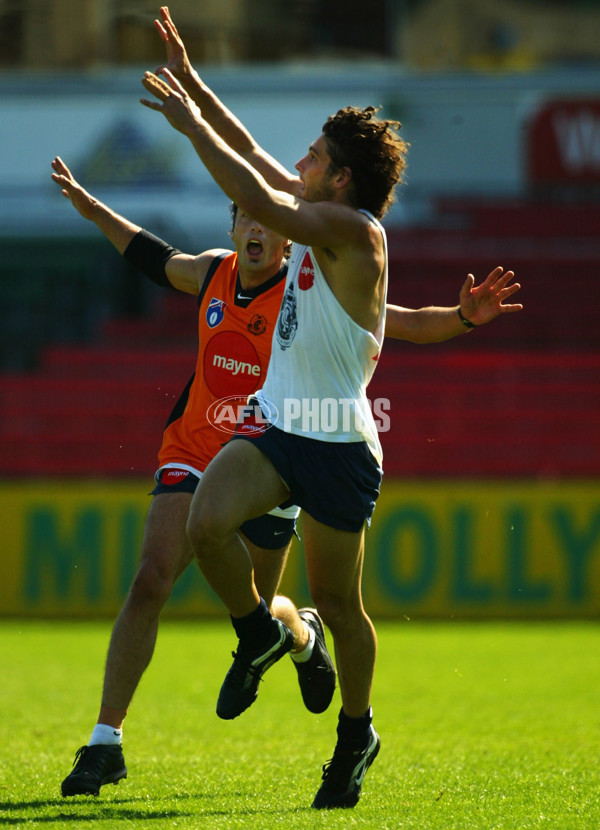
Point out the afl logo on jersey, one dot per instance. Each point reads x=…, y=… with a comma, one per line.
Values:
x=287, y=322
x=215, y=312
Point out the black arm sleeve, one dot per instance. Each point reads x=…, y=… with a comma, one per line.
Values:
x=149, y=254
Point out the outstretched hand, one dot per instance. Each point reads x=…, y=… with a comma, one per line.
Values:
x=173, y=101
x=482, y=303
x=178, y=62
x=71, y=189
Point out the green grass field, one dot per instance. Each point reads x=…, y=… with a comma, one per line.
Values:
x=483, y=726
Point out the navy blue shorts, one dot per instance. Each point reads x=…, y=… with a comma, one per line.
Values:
x=336, y=483
x=268, y=531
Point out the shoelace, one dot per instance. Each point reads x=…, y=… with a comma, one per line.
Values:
x=242, y=667
x=79, y=754
x=94, y=764
x=337, y=770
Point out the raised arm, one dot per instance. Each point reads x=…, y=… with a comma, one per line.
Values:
x=117, y=229
x=324, y=224
x=163, y=264
x=478, y=305
x=220, y=118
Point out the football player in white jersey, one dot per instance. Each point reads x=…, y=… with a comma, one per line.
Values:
x=345, y=183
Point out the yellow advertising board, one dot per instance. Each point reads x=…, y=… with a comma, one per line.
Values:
x=485, y=549
x=438, y=549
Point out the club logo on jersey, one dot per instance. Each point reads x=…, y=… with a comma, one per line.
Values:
x=287, y=321
x=257, y=324
x=306, y=277
x=215, y=312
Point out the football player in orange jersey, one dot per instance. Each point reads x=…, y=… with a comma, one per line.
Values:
x=239, y=295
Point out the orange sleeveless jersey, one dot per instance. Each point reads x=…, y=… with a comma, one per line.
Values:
x=235, y=328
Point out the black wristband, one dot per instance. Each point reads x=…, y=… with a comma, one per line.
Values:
x=149, y=254
x=466, y=323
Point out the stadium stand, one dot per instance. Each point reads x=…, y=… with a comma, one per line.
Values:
x=99, y=409
x=518, y=398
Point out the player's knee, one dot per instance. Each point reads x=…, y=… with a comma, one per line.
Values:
x=205, y=529
x=335, y=610
x=152, y=584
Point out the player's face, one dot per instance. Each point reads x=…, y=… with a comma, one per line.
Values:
x=315, y=173
x=258, y=248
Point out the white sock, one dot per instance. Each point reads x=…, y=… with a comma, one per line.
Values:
x=305, y=654
x=105, y=734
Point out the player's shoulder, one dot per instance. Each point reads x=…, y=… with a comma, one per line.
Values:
x=212, y=254
x=207, y=260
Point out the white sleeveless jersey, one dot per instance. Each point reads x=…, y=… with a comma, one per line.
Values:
x=321, y=360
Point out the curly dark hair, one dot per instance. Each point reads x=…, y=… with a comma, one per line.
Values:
x=373, y=151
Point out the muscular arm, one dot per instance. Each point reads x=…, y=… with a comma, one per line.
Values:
x=187, y=273
x=323, y=224
x=422, y=325
x=350, y=248
x=479, y=304
x=184, y=272
x=215, y=113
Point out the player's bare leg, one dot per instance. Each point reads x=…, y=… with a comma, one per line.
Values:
x=166, y=553
x=239, y=483
x=221, y=504
x=334, y=560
